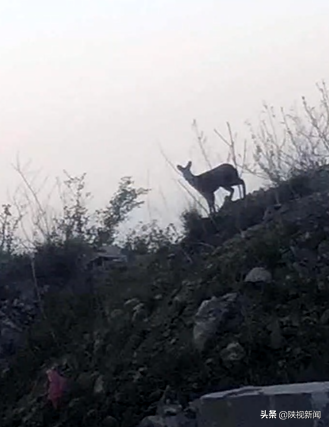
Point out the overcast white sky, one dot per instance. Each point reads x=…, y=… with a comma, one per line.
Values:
x=98, y=86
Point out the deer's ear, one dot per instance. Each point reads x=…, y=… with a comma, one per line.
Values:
x=180, y=168
x=189, y=164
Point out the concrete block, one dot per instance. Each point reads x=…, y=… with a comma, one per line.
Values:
x=293, y=405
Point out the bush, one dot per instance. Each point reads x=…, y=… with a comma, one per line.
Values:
x=149, y=238
x=287, y=144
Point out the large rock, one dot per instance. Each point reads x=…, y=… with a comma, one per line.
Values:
x=257, y=275
x=304, y=404
x=211, y=316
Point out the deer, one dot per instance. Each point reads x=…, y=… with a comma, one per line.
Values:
x=207, y=183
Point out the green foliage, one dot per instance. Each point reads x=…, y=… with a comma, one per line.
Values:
x=123, y=202
x=151, y=237
x=61, y=254
x=8, y=227
x=58, y=256
x=59, y=326
x=191, y=220
x=75, y=220
x=59, y=260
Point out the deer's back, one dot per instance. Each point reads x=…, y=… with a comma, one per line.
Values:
x=224, y=175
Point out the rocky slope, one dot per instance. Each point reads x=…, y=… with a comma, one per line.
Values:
x=243, y=300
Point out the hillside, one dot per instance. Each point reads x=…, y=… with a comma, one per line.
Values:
x=263, y=266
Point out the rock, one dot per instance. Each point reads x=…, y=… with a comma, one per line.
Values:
x=99, y=387
x=304, y=257
x=98, y=339
x=258, y=275
x=179, y=302
x=302, y=271
x=192, y=409
x=172, y=421
x=211, y=315
x=110, y=422
x=156, y=395
x=324, y=319
x=131, y=303
x=117, y=313
x=139, y=374
x=233, y=353
x=153, y=421
x=323, y=250
x=139, y=313
x=74, y=403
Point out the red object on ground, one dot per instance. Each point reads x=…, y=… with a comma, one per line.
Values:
x=57, y=387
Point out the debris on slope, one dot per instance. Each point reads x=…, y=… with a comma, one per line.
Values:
x=251, y=309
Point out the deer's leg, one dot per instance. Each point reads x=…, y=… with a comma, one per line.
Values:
x=210, y=197
x=239, y=191
x=243, y=188
x=230, y=190
x=243, y=185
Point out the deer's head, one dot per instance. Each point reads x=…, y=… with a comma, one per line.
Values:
x=186, y=172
